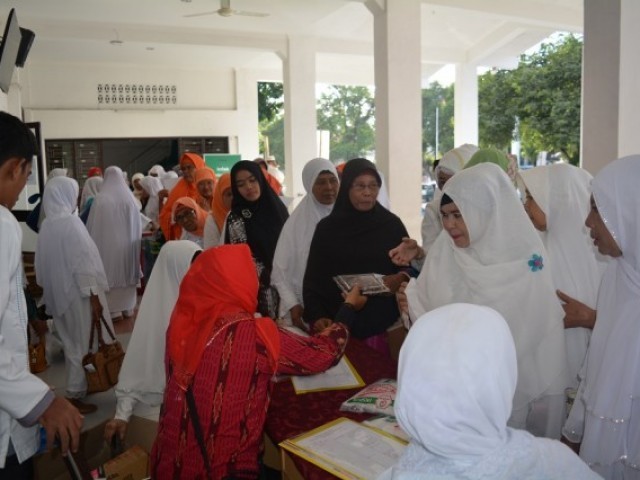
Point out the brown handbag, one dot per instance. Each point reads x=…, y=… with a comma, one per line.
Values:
x=37, y=357
x=102, y=367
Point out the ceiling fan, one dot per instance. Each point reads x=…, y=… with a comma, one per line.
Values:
x=225, y=10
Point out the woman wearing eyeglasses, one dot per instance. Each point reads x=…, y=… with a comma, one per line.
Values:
x=186, y=187
x=190, y=218
x=353, y=239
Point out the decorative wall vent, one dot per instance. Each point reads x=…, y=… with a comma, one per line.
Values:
x=138, y=95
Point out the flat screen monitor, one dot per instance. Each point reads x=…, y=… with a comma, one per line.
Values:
x=9, y=50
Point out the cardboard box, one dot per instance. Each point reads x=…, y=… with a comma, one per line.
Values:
x=141, y=432
x=132, y=464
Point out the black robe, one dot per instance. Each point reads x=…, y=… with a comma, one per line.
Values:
x=349, y=242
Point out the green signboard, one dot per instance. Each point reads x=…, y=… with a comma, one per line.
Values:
x=221, y=162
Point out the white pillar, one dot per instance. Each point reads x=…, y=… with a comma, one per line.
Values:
x=247, y=107
x=466, y=105
x=629, y=94
x=299, y=111
x=610, y=76
x=600, y=83
x=399, y=105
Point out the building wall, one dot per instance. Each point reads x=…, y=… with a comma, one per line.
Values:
x=64, y=99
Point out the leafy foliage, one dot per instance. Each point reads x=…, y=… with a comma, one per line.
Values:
x=440, y=97
x=348, y=113
x=270, y=100
x=496, y=109
x=541, y=97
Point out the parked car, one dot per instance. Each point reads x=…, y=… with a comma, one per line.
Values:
x=428, y=191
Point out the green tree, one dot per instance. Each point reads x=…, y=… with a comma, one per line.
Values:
x=274, y=130
x=548, y=92
x=347, y=112
x=496, y=109
x=440, y=97
x=541, y=97
x=270, y=100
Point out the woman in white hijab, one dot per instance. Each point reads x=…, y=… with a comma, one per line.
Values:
x=451, y=163
x=557, y=202
x=489, y=254
x=606, y=412
x=152, y=186
x=320, y=180
x=409, y=252
x=137, y=188
x=157, y=171
x=70, y=272
x=89, y=191
x=456, y=380
x=142, y=376
x=114, y=224
x=57, y=172
x=150, y=242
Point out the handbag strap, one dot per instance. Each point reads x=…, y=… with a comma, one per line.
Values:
x=197, y=429
x=95, y=327
x=107, y=328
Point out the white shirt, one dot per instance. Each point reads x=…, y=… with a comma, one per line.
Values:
x=20, y=391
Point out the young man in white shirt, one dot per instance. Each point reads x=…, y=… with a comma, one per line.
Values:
x=25, y=400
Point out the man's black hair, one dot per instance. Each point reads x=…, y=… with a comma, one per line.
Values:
x=16, y=139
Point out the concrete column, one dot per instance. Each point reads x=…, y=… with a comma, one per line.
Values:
x=600, y=83
x=300, y=121
x=466, y=105
x=247, y=107
x=398, y=99
x=629, y=93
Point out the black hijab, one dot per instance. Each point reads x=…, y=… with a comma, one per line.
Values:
x=351, y=241
x=264, y=218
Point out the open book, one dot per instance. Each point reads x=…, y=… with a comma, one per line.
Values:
x=347, y=449
x=370, y=283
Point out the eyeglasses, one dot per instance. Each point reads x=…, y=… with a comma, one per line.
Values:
x=361, y=187
x=184, y=215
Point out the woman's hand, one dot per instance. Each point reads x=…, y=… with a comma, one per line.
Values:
x=405, y=252
x=576, y=314
x=162, y=196
x=296, y=313
x=394, y=281
x=115, y=427
x=322, y=323
x=355, y=298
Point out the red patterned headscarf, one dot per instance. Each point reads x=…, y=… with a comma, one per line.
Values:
x=221, y=281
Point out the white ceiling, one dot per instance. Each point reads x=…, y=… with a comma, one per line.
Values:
x=157, y=33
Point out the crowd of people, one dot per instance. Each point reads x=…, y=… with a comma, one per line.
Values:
x=523, y=292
